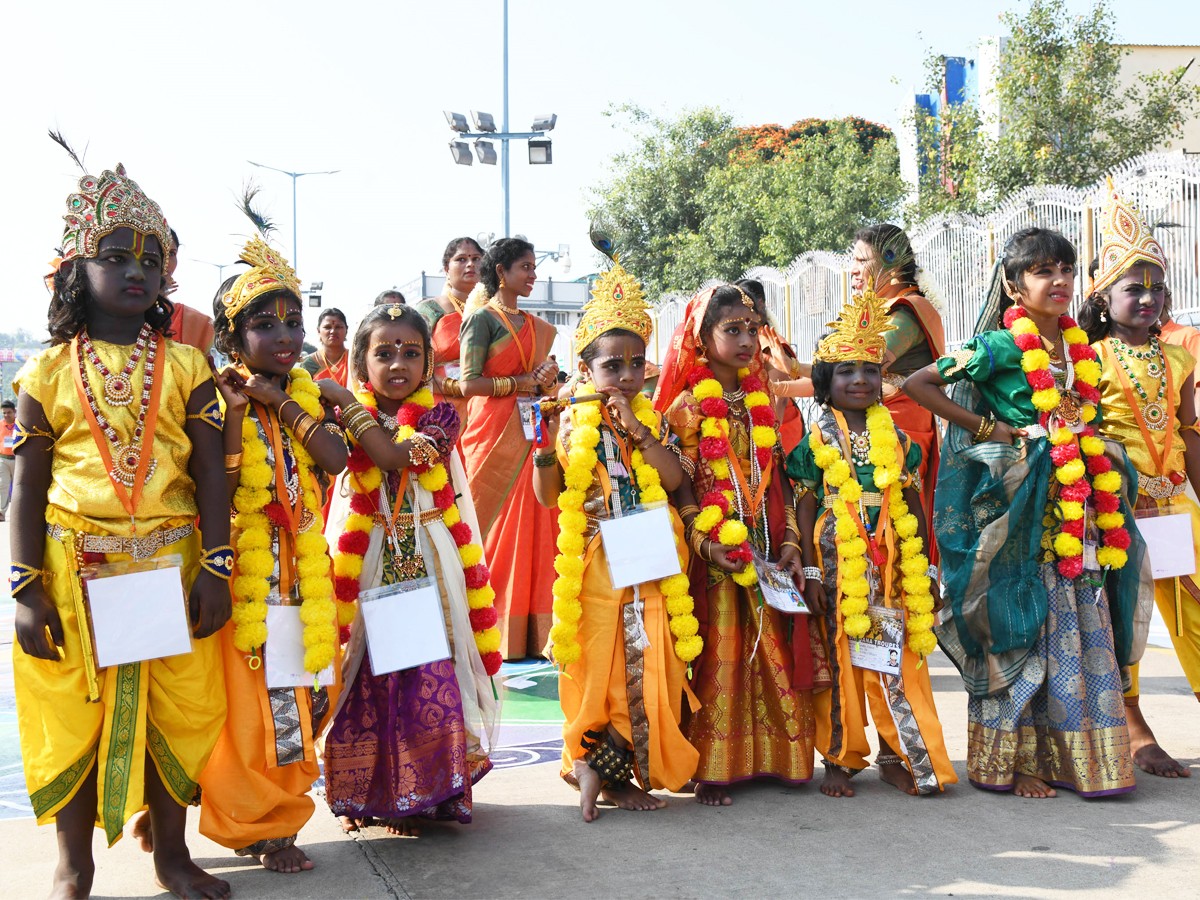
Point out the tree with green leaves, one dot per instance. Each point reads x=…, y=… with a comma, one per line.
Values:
x=698, y=198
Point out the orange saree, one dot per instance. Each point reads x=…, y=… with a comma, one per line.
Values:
x=444, y=328
x=520, y=535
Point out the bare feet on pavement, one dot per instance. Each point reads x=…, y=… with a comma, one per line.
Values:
x=184, y=878
x=898, y=776
x=836, y=783
x=712, y=794
x=1032, y=787
x=288, y=860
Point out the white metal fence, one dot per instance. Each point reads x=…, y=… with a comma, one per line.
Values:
x=957, y=252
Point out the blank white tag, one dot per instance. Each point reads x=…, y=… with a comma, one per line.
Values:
x=284, y=653
x=525, y=410
x=640, y=546
x=1169, y=542
x=882, y=647
x=405, y=625
x=139, y=615
x=778, y=589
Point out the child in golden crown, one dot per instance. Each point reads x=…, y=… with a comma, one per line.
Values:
x=117, y=448
x=1045, y=584
x=868, y=580
x=623, y=651
x=1148, y=391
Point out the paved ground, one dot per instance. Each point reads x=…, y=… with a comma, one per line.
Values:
x=528, y=841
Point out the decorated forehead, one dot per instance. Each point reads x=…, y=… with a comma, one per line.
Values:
x=1125, y=240
x=747, y=312
x=269, y=271
x=858, y=334
x=617, y=302
x=100, y=205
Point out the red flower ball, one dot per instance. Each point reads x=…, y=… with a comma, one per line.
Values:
x=1040, y=380
x=1098, y=464
x=714, y=407
x=461, y=532
x=277, y=514
x=1106, y=502
x=1064, y=453
x=1077, y=492
x=354, y=542
x=764, y=456
x=362, y=505
x=1117, y=537
x=358, y=460
x=476, y=576
x=751, y=383
x=1087, y=393
x=1071, y=567
x=344, y=633
x=713, y=448
x=716, y=498
x=1012, y=314
x=1080, y=352
x=492, y=661
x=444, y=498
x=410, y=414
x=1074, y=528
x=698, y=374
x=483, y=619
x=1027, y=341
x=346, y=589
x=762, y=415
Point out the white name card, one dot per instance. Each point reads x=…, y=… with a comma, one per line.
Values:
x=882, y=647
x=405, y=625
x=778, y=589
x=138, y=615
x=1169, y=542
x=640, y=546
x=284, y=654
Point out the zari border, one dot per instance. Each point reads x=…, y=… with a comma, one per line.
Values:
x=185, y=790
x=635, y=664
x=120, y=749
x=48, y=800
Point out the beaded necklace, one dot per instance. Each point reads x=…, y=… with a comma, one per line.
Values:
x=1154, y=411
x=125, y=455
x=118, y=389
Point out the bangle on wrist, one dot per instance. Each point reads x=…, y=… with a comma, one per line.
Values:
x=932, y=572
x=545, y=460
x=22, y=576
x=218, y=561
x=233, y=461
x=812, y=572
x=791, y=544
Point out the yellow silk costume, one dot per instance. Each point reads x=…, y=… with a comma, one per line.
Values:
x=1120, y=425
x=170, y=708
x=638, y=691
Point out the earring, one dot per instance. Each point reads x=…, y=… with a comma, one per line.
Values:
x=1103, y=317
x=502, y=284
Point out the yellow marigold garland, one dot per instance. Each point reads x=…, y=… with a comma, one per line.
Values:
x=572, y=524
x=254, y=560
x=852, y=549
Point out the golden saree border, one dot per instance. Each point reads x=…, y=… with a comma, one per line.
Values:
x=1093, y=763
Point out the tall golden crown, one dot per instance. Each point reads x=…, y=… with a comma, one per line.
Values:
x=269, y=271
x=858, y=333
x=617, y=302
x=103, y=204
x=1125, y=239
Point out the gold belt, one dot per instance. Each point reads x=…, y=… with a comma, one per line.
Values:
x=869, y=498
x=405, y=520
x=137, y=547
x=1160, y=487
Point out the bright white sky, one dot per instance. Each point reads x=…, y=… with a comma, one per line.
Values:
x=185, y=93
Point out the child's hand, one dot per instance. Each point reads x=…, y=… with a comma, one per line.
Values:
x=814, y=595
x=34, y=615
x=719, y=554
x=209, y=604
x=546, y=374
x=620, y=408
x=334, y=393
x=790, y=561
x=265, y=390
x=231, y=384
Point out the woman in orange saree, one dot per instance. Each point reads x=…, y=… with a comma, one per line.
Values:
x=882, y=257
x=504, y=366
x=333, y=359
x=444, y=314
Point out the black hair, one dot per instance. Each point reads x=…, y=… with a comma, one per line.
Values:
x=331, y=311
x=8, y=404
x=388, y=297
x=503, y=253
x=67, y=314
x=175, y=239
x=452, y=248
x=1033, y=246
x=379, y=315
x=894, y=249
x=822, y=379
x=225, y=332
x=725, y=296
x=591, y=350
x=1096, y=305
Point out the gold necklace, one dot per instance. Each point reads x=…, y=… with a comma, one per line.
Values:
x=511, y=310
x=458, y=305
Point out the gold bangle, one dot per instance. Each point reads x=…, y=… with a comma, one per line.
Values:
x=503, y=385
x=360, y=426
x=690, y=509
x=357, y=420
x=303, y=424
x=792, y=544
x=233, y=461
x=279, y=411
x=422, y=451
x=450, y=388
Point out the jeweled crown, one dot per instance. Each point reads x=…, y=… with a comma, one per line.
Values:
x=1125, y=239
x=617, y=302
x=269, y=271
x=858, y=333
x=103, y=204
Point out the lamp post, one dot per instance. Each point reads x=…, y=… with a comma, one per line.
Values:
x=294, y=176
x=220, y=267
x=485, y=132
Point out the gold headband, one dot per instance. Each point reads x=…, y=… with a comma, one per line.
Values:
x=269, y=271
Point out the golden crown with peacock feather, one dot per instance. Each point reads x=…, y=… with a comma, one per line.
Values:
x=618, y=301
x=858, y=335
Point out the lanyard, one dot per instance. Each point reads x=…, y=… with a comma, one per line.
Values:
x=101, y=440
x=753, y=501
x=1127, y=389
x=525, y=363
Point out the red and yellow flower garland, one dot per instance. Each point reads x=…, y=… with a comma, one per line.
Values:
x=365, y=480
x=255, y=563
x=572, y=524
x=717, y=509
x=1071, y=471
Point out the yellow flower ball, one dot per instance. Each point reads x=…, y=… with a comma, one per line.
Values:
x=1034, y=360
x=247, y=613
x=675, y=586
x=918, y=604
x=571, y=566
x=255, y=477
x=1070, y=509
x=572, y=521
x=571, y=499
x=855, y=547
x=565, y=588
x=1087, y=412
x=757, y=398
x=763, y=436
x=470, y=555
x=248, y=637
x=585, y=437
x=1091, y=446
x=1088, y=371
x=747, y=577
x=1108, y=481
x=1070, y=472
x=655, y=494
x=855, y=590
x=688, y=648
x=680, y=606
x=568, y=610
x=856, y=567
x=913, y=585
x=922, y=644
x=914, y=565
x=488, y=640
x=1111, y=557
x=245, y=498
x=581, y=458
x=684, y=626
x=403, y=433
x=1024, y=325
x=844, y=527
x=1110, y=520
x=711, y=428
x=316, y=589
x=856, y=626
x=1066, y=545
x=311, y=543
x=825, y=456
x=577, y=478
x=346, y=613
x=451, y=516
x=312, y=567
x=1060, y=436
x=838, y=473
x=480, y=598
x=570, y=544
x=255, y=563
x=885, y=476
x=707, y=388
x=1075, y=335
x=733, y=533
x=920, y=622
x=851, y=492
x=707, y=519
x=1046, y=399
x=647, y=476
x=435, y=479
x=370, y=480
x=905, y=526
x=251, y=588
x=720, y=469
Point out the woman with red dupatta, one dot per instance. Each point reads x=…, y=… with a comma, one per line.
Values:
x=505, y=366
x=444, y=314
x=754, y=677
x=882, y=257
x=333, y=359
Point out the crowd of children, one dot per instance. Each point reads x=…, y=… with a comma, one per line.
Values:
x=794, y=595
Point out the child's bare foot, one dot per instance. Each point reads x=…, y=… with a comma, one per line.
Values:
x=630, y=796
x=71, y=882
x=897, y=775
x=184, y=878
x=712, y=794
x=405, y=827
x=1147, y=754
x=349, y=823
x=289, y=860
x=1032, y=787
x=836, y=782
x=142, y=832
x=589, y=789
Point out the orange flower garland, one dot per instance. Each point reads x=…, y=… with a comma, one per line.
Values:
x=1071, y=471
x=717, y=508
x=366, y=481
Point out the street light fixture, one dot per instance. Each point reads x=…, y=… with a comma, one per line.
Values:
x=486, y=151
x=294, y=176
x=456, y=121
x=540, y=153
x=461, y=151
x=545, y=123
x=483, y=121
x=314, y=293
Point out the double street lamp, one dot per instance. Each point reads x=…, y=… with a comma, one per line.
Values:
x=294, y=176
